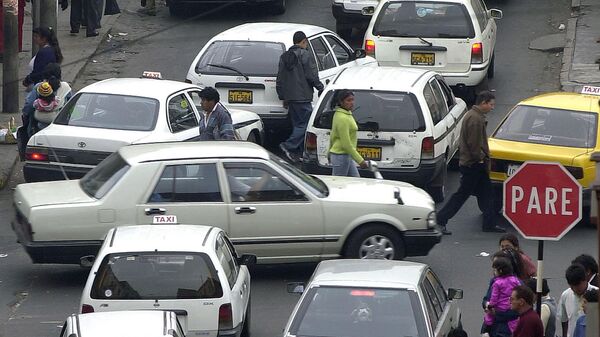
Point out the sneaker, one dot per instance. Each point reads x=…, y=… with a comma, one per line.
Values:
x=494, y=229
x=287, y=153
x=445, y=231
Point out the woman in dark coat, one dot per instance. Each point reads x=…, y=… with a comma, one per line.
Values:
x=49, y=52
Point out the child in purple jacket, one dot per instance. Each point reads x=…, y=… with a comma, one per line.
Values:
x=504, y=282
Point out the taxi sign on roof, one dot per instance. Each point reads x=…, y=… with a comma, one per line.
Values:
x=152, y=74
x=590, y=90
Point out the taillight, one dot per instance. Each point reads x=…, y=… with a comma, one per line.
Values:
x=86, y=309
x=310, y=142
x=225, y=317
x=477, y=53
x=370, y=47
x=36, y=153
x=427, y=148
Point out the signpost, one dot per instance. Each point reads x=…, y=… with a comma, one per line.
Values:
x=543, y=202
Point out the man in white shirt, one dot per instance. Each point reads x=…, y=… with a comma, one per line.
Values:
x=569, y=305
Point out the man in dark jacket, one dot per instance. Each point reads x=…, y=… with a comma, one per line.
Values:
x=474, y=166
x=296, y=78
x=85, y=12
x=215, y=123
x=530, y=324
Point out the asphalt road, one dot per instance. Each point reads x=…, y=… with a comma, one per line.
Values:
x=35, y=299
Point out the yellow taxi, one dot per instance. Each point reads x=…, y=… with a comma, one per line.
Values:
x=554, y=127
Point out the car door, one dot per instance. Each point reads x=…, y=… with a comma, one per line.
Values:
x=237, y=282
x=487, y=26
x=344, y=55
x=457, y=109
x=182, y=118
x=185, y=192
x=270, y=216
x=446, y=309
x=438, y=111
x=324, y=57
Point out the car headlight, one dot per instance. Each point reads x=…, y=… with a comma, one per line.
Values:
x=431, y=220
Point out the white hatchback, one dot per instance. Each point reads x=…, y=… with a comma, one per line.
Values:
x=408, y=122
x=135, y=323
x=455, y=38
x=242, y=63
x=190, y=270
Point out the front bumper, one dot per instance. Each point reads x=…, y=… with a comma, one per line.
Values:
x=48, y=172
x=349, y=17
x=420, y=242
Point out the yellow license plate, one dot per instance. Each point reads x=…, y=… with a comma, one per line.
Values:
x=422, y=59
x=370, y=153
x=240, y=96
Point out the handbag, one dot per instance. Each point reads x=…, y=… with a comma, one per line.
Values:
x=111, y=8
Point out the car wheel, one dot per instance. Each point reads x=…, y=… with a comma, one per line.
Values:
x=344, y=31
x=246, y=327
x=254, y=138
x=375, y=241
x=277, y=7
x=438, y=191
x=490, y=72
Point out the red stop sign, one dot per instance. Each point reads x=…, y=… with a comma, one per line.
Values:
x=542, y=200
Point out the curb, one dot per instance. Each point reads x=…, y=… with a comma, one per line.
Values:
x=567, y=59
x=6, y=172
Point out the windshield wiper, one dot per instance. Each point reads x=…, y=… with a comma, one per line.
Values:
x=425, y=41
x=229, y=68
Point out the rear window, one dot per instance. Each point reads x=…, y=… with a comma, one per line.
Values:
x=102, y=178
x=359, y=312
x=251, y=58
x=106, y=111
x=377, y=111
x=424, y=19
x=538, y=125
x=149, y=276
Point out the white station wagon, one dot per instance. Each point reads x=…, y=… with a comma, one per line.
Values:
x=268, y=207
x=134, y=323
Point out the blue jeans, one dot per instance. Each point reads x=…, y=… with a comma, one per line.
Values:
x=299, y=113
x=343, y=165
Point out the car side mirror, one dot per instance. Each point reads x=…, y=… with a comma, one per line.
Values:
x=87, y=261
x=295, y=287
x=455, y=294
x=359, y=53
x=495, y=13
x=247, y=260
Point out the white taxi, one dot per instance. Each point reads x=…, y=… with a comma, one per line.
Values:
x=112, y=113
x=134, y=323
x=455, y=38
x=408, y=121
x=190, y=270
x=357, y=298
x=242, y=63
x=268, y=207
x=350, y=14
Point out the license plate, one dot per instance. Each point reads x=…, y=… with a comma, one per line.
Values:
x=511, y=170
x=422, y=59
x=240, y=96
x=370, y=153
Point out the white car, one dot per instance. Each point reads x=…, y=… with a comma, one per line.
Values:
x=357, y=298
x=242, y=63
x=455, y=38
x=350, y=14
x=190, y=270
x=116, y=112
x=135, y=323
x=268, y=207
x=408, y=122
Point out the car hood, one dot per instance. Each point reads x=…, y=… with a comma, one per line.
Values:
x=242, y=116
x=90, y=139
x=519, y=151
x=61, y=192
x=374, y=191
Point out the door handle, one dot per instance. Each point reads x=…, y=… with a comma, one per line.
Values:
x=245, y=210
x=150, y=211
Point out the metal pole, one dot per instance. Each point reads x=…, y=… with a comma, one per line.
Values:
x=540, y=276
x=48, y=10
x=10, y=66
x=35, y=18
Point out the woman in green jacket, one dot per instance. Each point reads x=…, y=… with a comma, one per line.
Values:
x=342, y=143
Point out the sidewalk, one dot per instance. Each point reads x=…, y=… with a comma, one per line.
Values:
x=77, y=51
x=582, y=53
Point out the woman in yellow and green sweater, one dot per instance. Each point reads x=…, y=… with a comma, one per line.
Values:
x=342, y=142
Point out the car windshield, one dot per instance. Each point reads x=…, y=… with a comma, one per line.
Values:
x=358, y=312
x=376, y=111
x=107, y=111
x=173, y=275
x=549, y=126
x=314, y=184
x=251, y=58
x=424, y=19
x=101, y=179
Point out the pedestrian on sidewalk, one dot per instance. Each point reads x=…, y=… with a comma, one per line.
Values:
x=530, y=324
x=569, y=305
x=504, y=282
x=49, y=52
x=591, y=268
x=215, y=123
x=342, y=141
x=548, y=311
x=511, y=241
x=88, y=13
x=474, y=166
x=296, y=78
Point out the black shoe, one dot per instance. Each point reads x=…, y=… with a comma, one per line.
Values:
x=74, y=31
x=494, y=229
x=286, y=152
x=92, y=34
x=445, y=231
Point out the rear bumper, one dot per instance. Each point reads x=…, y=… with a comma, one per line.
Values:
x=47, y=172
x=62, y=252
x=235, y=332
x=420, y=242
x=471, y=78
x=352, y=18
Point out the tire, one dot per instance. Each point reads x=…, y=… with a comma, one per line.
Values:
x=491, y=68
x=277, y=7
x=375, y=233
x=438, y=192
x=246, y=328
x=254, y=138
x=344, y=31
